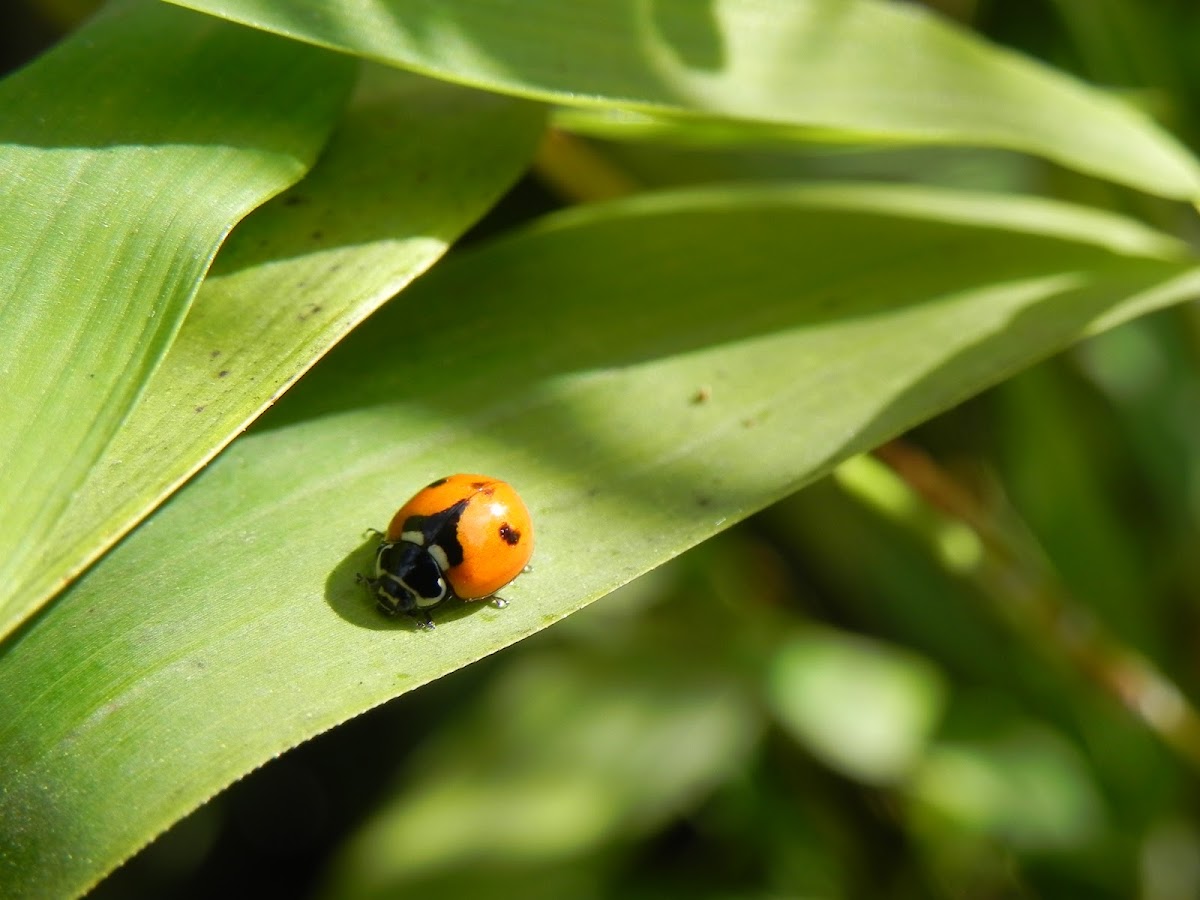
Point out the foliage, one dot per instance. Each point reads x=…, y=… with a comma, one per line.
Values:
x=756, y=240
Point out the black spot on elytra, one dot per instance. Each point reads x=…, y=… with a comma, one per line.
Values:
x=437, y=483
x=478, y=484
x=509, y=535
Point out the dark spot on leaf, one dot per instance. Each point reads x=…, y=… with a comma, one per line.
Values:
x=214, y=354
x=509, y=535
x=317, y=235
x=224, y=373
x=199, y=409
x=293, y=200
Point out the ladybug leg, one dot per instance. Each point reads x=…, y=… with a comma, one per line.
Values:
x=528, y=568
x=499, y=602
x=424, y=620
x=372, y=532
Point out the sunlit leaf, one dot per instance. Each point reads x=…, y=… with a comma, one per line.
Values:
x=873, y=69
x=127, y=154
x=644, y=372
x=413, y=164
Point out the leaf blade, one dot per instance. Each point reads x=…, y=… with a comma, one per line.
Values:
x=586, y=397
x=413, y=163
x=873, y=69
x=116, y=200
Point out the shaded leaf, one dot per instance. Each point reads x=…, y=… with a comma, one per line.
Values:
x=1027, y=787
x=567, y=754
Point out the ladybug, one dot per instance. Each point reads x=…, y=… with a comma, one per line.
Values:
x=463, y=536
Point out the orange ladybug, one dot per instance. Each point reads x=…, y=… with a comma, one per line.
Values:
x=463, y=536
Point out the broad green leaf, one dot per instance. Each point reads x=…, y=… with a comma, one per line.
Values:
x=127, y=154
x=645, y=372
x=413, y=164
x=875, y=69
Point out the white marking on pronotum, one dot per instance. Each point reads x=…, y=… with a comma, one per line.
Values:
x=439, y=556
x=413, y=537
x=428, y=602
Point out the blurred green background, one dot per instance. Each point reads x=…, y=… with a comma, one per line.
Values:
x=857, y=693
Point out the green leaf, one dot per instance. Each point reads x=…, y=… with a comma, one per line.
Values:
x=1026, y=786
x=874, y=69
x=127, y=154
x=862, y=707
x=413, y=164
x=645, y=373
x=567, y=753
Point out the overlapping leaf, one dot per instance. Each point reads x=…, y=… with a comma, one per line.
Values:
x=412, y=165
x=127, y=154
x=868, y=68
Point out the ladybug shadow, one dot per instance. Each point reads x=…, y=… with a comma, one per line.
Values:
x=354, y=602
